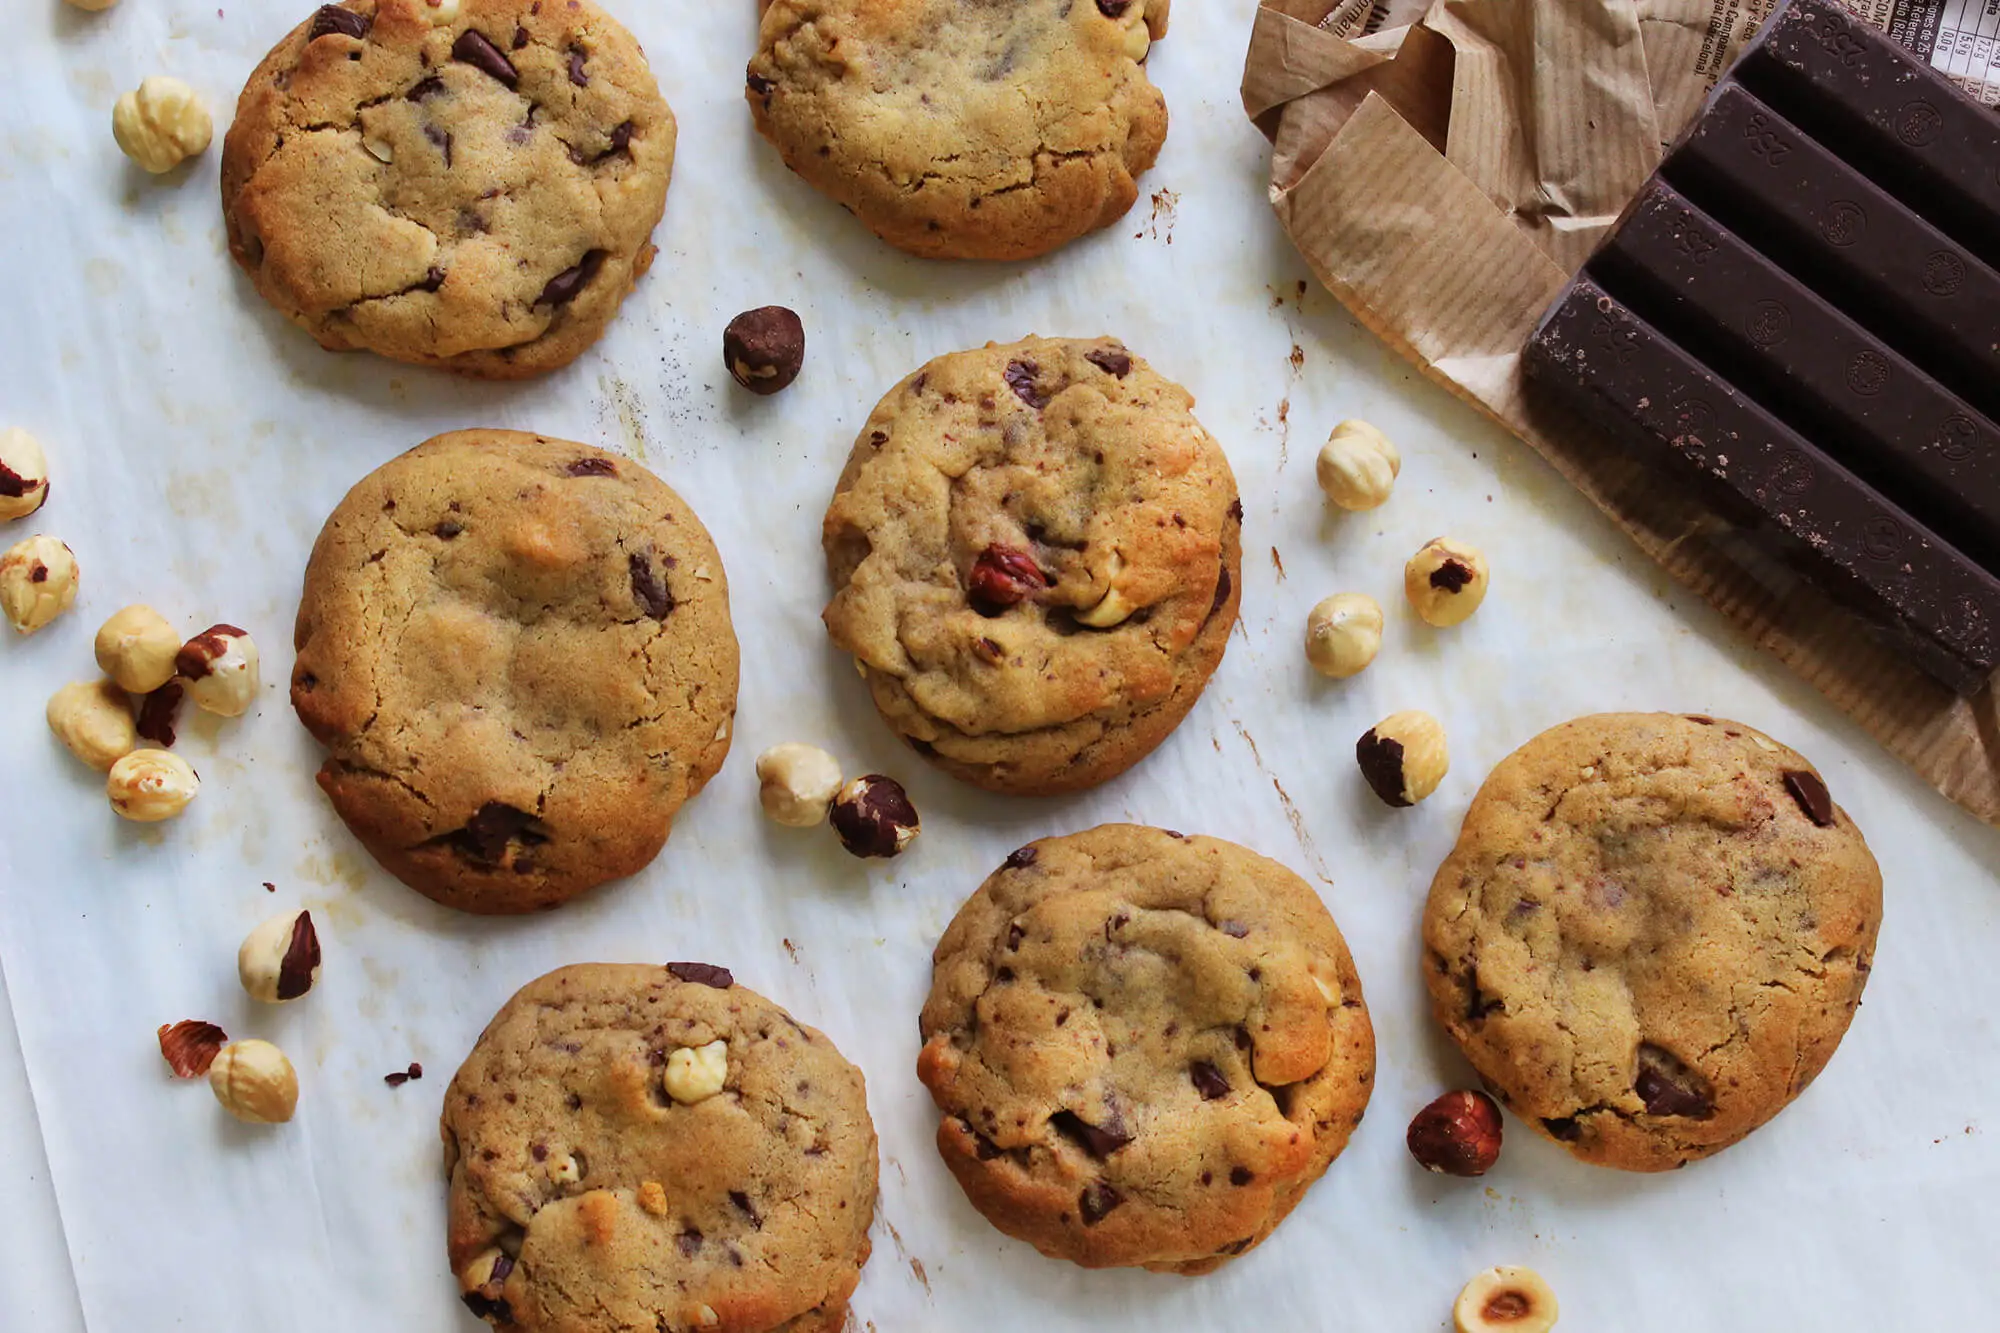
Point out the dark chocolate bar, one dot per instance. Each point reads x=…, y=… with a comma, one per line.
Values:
x=1867, y=405
x=1757, y=174
x=1673, y=412
x=1905, y=124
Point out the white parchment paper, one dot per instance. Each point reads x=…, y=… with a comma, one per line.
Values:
x=198, y=442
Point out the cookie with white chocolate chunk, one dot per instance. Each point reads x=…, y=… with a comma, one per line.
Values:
x=658, y=1148
x=1035, y=550
x=1144, y=1047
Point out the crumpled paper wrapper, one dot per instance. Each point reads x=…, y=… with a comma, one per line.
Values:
x=1445, y=167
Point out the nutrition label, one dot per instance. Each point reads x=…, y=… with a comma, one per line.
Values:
x=1959, y=37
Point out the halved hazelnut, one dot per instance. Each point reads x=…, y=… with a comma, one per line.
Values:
x=1505, y=1300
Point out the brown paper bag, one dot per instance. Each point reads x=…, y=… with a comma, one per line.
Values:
x=1444, y=169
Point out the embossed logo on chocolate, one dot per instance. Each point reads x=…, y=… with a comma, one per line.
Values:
x=1844, y=223
x=1944, y=273
x=1881, y=538
x=1616, y=339
x=1764, y=141
x=1691, y=240
x=1868, y=372
x=1794, y=473
x=1769, y=323
x=1954, y=437
x=1692, y=417
x=1917, y=123
x=1838, y=41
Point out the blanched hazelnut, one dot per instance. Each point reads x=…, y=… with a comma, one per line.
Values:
x=1456, y=1135
x=38, y=579
x=1343, y=633
x=220, y=668
x=93, y=6
x=874, y=817
x=1445, y=581
x=280, y=959
x=255, y=1082
x=1505, y=1300
x=93, y=720
x=1114, y=607
x=1403, y=757
x=1358, y=466
x=24, y=474
x=796, y=783
x=147, y=786
x=161, y=124
x=136, y=647
x=696, y=1073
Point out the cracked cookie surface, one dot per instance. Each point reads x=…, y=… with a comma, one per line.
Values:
x=964, y=129
x=1652, y=934
x=1144, y=1047
x=1035, y=551
x=585, y=1199
x=517, y=652
x=477, y=194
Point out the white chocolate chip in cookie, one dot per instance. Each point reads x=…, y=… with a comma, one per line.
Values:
x=94, y=721
x=24, y=474
x=38, y=579
x=696, y=1073
x=161, y=124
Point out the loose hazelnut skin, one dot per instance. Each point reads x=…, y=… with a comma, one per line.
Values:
x=93, y=720
x=764, y=348
x=797, y=783
x=1358, y=466
x=147, y=786
x=38, y=579
x=1457, y=1135
x=161, y=124
x=136, y=647
x=255, y=1082
x=1343, y=634
x=24, y=474
x=1403, y=757
x=220, y=666
x=874, y=817
x=1505, y=1300
x=280, y=959
x=1445, y=581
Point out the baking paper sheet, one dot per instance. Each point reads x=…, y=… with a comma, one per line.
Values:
x=199, y=441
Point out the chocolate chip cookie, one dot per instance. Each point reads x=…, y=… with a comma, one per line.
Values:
x=1035, y=554
x=591, y=1190
x=1652, y=934
x=1145, y=1047
x=517, y=652
x=964, y=131
x=472, y=185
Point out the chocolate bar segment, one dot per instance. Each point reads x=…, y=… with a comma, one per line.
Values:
x=1808, y=364
x=1671, y=411
x=1908, y=283
x=1848, y=83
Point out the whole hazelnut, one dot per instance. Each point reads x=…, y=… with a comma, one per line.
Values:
x=93, y=6
x=796, y=783
x=1403, y=757
x=147, y=786
x=764, y=348
x=874, y=817
x=161, y=124
x=38, y=579
x=1001, y=577
x=1114, y=607
x=1445, y=581
x=279, y=960
x=220, y=668
x=94, y=721
x=696, y=1073
x=24, y=474
x=255, y=1082
x=1343, y=634
x=136, y=647
x=1358, y=466
x=1505, y=1300
x=1457, y=1135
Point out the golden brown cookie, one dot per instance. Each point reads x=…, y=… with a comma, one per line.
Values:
x=517, y=652
x=597, y=1187
x=1652, y=934
x=472, y=186
x=1035, y=551
x=1144, y=1046
x=964, y=131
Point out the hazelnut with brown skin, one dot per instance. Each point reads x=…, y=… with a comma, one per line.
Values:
x=874, y=817
x=1003, y=576
x=280, y=959
x=764, y=348
x=1403, y=757
x=1457, y=1135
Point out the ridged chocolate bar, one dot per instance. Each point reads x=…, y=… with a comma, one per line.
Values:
x=1839, y=532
